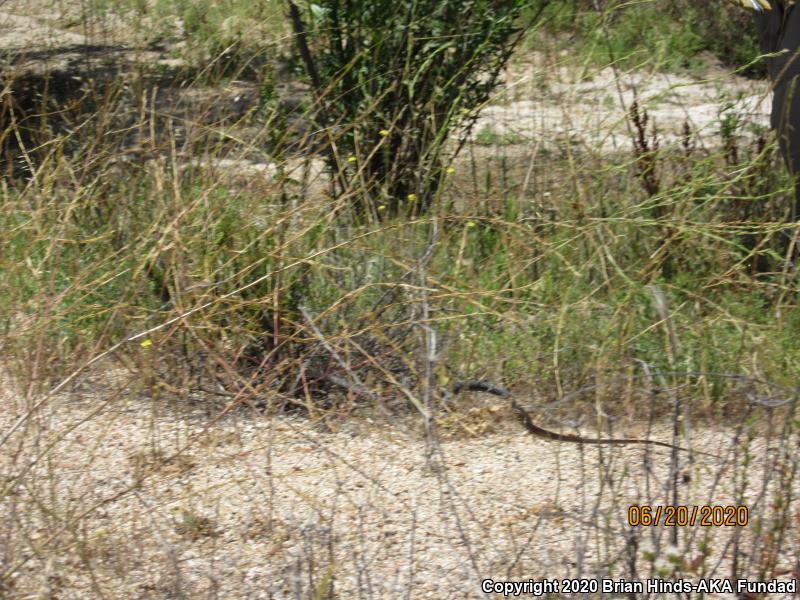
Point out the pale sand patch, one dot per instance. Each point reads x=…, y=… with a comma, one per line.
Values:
x=590, y=110
x=262, y=507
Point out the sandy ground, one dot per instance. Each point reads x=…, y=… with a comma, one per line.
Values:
x=589, y=108
x=109, y=496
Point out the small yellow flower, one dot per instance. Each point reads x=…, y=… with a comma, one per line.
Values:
x=381, y=208
x=383, y=132
x=146, y=343
x=450, y=170
x=411, y=197
x=471, y=224
x=351, y=159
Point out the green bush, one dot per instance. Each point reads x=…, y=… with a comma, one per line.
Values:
x=394, y=80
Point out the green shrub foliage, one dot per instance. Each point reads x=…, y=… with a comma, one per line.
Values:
x=394, y=79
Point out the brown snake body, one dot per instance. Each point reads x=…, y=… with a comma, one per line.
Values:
x=536, y=431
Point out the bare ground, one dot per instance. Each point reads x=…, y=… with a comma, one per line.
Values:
x=110, y=495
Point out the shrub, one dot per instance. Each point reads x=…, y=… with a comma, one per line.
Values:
x=394, y=79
